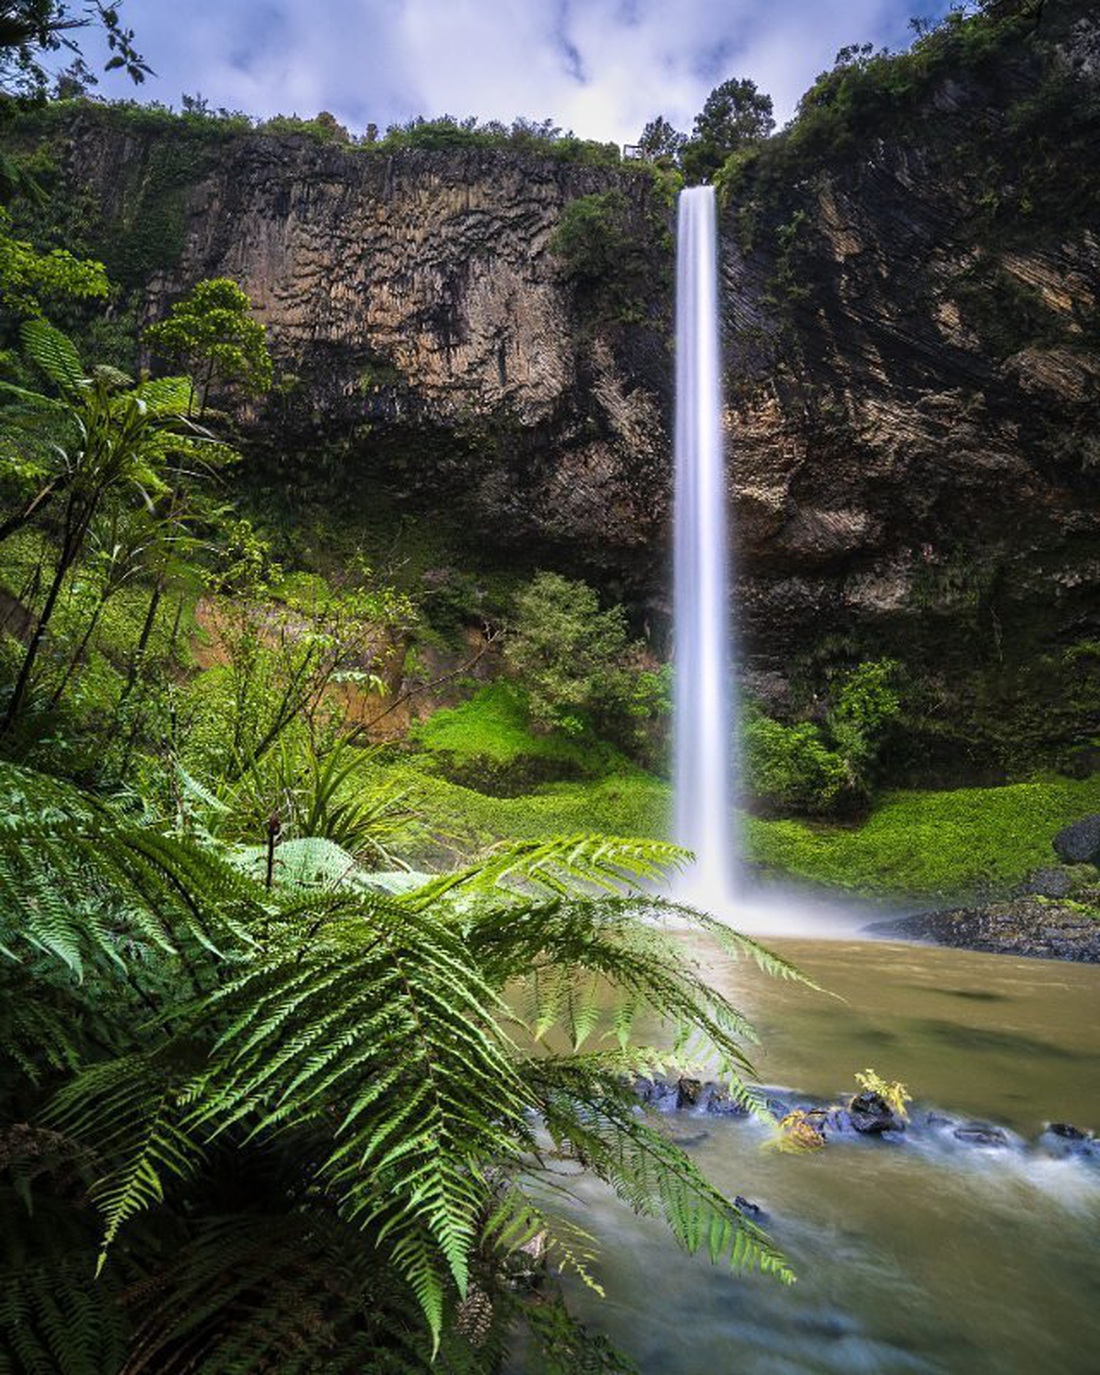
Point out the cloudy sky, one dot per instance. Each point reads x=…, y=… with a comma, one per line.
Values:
x=599, y=67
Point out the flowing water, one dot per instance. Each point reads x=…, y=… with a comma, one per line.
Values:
x=929, y=1256
x=702, y=711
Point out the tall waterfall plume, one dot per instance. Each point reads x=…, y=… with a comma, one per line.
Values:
x=703, y=708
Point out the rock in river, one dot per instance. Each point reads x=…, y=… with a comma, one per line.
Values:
x=1050, y=929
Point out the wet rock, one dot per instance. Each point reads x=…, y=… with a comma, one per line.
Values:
x=1067, y=1131
x=717, y=1101
x=871, y=1115
x=1048, y=883
x=752, y=1211
x=688, y=1092
x=982, y=1134
x=689, y=1142
x=1043, y=928
x=1064, y=1140
x=1079, y=843
x=657, y=1094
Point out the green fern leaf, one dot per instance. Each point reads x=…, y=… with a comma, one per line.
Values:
x=54, y=352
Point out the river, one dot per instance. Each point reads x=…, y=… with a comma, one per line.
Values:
x=924, y=1256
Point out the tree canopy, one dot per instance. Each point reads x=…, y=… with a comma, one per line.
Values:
x=735, y=113
x=211, y=333
x=31, y=29
x=659, y=141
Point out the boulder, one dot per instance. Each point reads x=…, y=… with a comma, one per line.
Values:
x=1063, y=1139
x=687, y=1092
x=752, y=1211
x=657, y=1094
x=1048, y=883
x=716, y=1100
x=871, y=1115
x=981, y=1134
x=1079, y=843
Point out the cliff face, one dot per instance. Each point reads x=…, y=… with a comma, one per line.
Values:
x=913, y=348
x=422, y=325
x=912, y=351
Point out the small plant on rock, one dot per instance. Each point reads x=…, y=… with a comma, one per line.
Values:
x=894, y=1095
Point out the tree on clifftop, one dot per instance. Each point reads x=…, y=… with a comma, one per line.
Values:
x=660, y=142
x=734, y=114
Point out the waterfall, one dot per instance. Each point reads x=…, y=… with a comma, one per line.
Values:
x=703, y=706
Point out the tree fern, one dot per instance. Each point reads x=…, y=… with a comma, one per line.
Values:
x=129, y=1111
x=53, y=1319
x=77, y=881
x=391, y=1051
x=561, y=865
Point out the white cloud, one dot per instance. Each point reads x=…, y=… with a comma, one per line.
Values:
x=600, y=67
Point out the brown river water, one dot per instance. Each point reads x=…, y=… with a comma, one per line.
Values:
x=925, y=1256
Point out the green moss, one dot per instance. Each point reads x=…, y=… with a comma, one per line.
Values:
x=931, y=844
x=492, y=725
x=465, y=821
x=488, y=744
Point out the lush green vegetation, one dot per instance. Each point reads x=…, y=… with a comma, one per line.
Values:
x=931, y=844
x=493, y=729
x=1008, y=169
x=604, y=243
x=277, y=1115
x=196, y=123
x=920, y=845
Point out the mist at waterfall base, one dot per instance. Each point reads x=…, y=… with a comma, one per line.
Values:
x=705, y=764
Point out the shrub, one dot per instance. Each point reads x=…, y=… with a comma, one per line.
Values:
x=791, y=768
x=600, y=244
x=866, y=707
x=582, y=674
x=827, y=769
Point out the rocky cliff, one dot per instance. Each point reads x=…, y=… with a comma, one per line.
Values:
x=914, y=378
x=912, y=347
x=430, y=344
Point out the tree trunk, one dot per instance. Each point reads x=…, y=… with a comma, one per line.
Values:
x=76, y=526
x=138, y=659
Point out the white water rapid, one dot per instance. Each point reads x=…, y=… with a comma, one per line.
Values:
x=703, y=707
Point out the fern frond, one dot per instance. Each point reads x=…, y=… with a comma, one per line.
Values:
x=129, y=1112
x=562, y=866
x=40, y=1025
x=167, y=395
x=546, y=951
x=597, y=1124
x=53, y=352
x=309, y=863
x=77, y=881
x=53, y=1319
x=380, y=1011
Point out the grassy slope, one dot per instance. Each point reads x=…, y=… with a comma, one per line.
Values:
x=913, y=843
x=932, y=843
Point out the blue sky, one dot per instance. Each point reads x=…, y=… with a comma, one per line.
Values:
x=599, y=67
